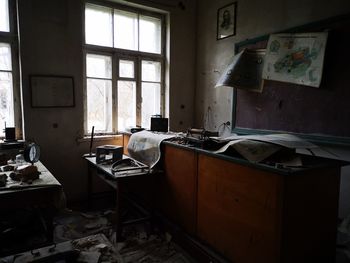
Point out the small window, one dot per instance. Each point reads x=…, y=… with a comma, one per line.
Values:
x=5, y=57
x=98, y=26
x=98, y=66
x=126, y=69
x=4, y=16
x=150, y=34
x=151, y=71
x=125, y=30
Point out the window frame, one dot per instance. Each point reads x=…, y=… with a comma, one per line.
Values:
x=117, y=54
x=101, y=53
x=11, y=38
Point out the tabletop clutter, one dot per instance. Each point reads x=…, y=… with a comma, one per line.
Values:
x=23, y=173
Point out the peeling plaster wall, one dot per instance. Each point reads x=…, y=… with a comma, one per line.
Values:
x=51, y=39
x=254, y=18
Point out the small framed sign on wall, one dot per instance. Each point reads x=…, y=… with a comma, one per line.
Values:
x=226, y=21
x=48, y=91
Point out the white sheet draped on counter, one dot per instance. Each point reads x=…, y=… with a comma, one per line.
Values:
x=144, y=146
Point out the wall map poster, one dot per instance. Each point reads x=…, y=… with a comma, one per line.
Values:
x=295, y=58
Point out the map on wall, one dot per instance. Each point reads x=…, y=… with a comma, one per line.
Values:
x=295, y=58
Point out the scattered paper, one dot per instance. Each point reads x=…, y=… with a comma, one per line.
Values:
x=89, y=257
x=257, y=148
x=253, y=151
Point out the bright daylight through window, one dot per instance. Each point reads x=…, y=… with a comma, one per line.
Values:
x=124, y=67
x=6, y=71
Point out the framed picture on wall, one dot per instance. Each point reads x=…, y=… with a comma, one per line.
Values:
x=226, y=21
x=48, y=91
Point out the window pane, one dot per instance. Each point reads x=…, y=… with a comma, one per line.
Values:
x=151, y=71
x=98, y=66
x=150, y=34
x=125, y=30
x=150, y=102
x=126, y=68
x=99, y=105
x=6, y=101
x=126, y=104
x=4, y=16
x=5, y=57
x=98, y=25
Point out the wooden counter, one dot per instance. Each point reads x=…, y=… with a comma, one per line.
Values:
x=252, y=212
x=257, y=216
x=178, y=187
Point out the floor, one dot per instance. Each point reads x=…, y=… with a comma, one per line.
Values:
x=140, y=244
x=143, y=245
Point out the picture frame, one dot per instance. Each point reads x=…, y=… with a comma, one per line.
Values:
x=226, y=21
x=51, y=91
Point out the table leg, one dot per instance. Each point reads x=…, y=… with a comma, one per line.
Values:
x=48, y=217
x=118, y=224
x=89, y=186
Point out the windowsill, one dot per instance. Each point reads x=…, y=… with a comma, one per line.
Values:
x=98, y=138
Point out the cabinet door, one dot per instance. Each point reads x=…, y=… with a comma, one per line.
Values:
x=178, y=187
x=239, y=210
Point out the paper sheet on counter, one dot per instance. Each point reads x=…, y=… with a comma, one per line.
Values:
x=257, y=148
x=144, y=146
x=286, y=140
x=253, y=151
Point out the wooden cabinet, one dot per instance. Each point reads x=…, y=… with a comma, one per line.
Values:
x=249, y=212
x=251, y=215
x=178, y=187
x=126, y=138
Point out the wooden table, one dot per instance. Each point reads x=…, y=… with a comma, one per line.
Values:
x=41, y=192
x=45, y=194
x=104, y=172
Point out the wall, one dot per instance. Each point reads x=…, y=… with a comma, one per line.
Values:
x=254, y=18
x=51, y=43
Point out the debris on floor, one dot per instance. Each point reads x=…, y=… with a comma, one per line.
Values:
x=96, y=248
x=72, y=225
x=90, y=249
x=139, y=244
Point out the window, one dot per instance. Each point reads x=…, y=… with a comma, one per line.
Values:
x=6, y=88
x=124, y=58
x=126, y=94
x=99, y=90
x=151, y=83
x=4, y=16
x=8, y=68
